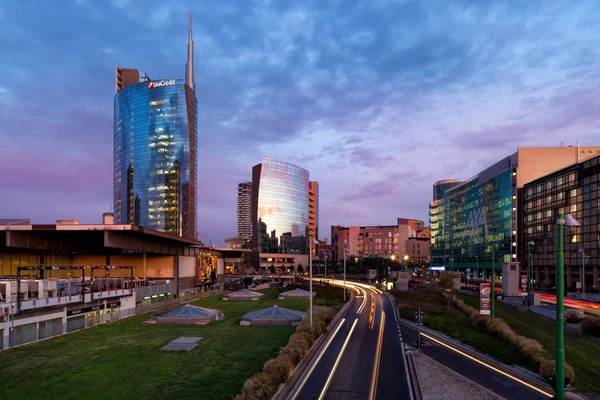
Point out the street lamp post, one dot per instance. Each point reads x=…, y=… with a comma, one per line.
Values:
x=559, y=374
x=345, y=252
x=529, y=272
x=310, y=289
x=12, y=313
x=582, y=271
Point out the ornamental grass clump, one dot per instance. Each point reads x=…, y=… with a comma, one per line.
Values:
x=591, y=326
x=548, y=368
x=280, y=367
x=259, y=387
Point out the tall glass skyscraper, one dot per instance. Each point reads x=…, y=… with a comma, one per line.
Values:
x=279, y=207
x=155, y=135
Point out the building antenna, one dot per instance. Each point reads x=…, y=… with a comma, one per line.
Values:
x=189, y=65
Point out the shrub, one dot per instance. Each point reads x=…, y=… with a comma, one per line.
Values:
x=301, y=341
x=591, y=326
x=573, y=317
x=480, y=321
x=529, y=348
x=294, y=352
x=325, y=313
x=280, y=367
x=464, y=307
x=547, y=368
x=259, y=387
x=318, y=327
x=307, y=337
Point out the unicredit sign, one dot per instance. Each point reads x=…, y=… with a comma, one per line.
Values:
x=161, y=83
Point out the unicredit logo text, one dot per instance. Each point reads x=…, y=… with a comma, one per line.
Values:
x=160, y=83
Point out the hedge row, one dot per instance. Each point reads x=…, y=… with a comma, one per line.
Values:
x=529, y=348
x=278, y=370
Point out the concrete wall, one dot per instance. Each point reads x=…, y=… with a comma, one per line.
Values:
x=535, y=162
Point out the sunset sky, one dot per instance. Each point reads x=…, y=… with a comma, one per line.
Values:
x=377, y=99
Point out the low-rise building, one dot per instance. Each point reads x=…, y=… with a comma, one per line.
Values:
x=59, y=278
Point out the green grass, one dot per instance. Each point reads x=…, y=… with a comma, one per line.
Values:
x=581, y=353
x=122, y=360
x=452, y=322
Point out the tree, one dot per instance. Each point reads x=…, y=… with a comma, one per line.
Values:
x=300, y=268
x=272, y=269
x=446, y=282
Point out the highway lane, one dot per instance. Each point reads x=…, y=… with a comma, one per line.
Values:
x=475, y=368
x=363, y=358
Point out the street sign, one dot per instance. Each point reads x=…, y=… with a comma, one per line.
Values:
x=485, y=290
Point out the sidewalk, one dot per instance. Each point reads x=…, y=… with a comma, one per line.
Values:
x=438, y=382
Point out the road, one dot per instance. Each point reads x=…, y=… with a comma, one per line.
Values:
x=364, y=357
x=589, y=307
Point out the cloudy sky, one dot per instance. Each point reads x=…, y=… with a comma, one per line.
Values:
x=377, y=99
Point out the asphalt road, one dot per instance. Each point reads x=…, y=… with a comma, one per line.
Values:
x=364, y=358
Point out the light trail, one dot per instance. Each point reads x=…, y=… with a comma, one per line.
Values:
x=375, y=375
x=514, y=378
x=337, y=361
x=321, y=352
x=364, y=302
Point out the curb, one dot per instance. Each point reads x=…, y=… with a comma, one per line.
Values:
x=514, y=369
x=414, y=375
x=298, y=373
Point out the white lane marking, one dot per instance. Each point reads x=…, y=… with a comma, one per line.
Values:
x=318, y=358
x=337, y=361
x=364, y=303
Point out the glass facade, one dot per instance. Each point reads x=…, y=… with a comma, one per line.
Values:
x=281, y=207
x=471, y=218
x=155, y=137
x=573, y=190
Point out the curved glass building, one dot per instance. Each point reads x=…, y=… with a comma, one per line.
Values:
x=280, y=211
x=155, y=137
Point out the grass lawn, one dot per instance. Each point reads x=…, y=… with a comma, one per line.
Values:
x=122, y=360
x=452, y=322
x=581, y=353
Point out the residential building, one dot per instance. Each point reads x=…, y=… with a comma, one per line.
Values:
x=244, y=203
x=67, y=222
x=473, y=220
x=108, y=218
x=155, y=140
x=570, y=190
x=324, y=250
x=375, y=240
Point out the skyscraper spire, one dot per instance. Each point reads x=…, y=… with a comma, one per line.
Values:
x=189, y=65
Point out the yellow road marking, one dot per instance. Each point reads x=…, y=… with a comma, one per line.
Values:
x=514, y=378
x=375, y=375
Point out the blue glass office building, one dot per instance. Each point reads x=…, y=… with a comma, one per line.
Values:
x=280, y=207
x=477, y=219
x=155, y=135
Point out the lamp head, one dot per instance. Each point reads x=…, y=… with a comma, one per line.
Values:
x=570, y=221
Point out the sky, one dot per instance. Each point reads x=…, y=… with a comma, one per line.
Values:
x=378, y=99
